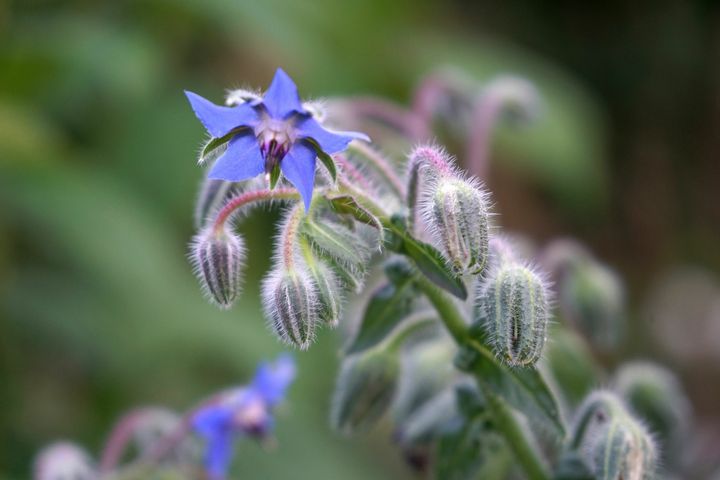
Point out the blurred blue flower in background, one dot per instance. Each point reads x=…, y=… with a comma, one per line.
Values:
x=270, y=132
x=244, y=411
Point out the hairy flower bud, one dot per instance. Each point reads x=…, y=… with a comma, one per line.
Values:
x=328, y=294
x=64, y=460
x=290, y=299
x=364, y=390
x=614, y=444
x=592, y=296
x=514, y=303
x=456, y=213
x=217, y=257
x=655, y=394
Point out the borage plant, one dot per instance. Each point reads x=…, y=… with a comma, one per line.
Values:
x=450, y=343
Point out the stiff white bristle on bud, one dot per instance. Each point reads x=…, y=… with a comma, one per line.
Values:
x=514, y=304
x=456, y=214
x=217, y=257
x=63, y=461
x=291, y=304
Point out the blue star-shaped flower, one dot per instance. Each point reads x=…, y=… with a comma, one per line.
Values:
x=245, y=411
x=275, y=130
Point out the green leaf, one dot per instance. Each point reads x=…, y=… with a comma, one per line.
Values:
x=326, y=159
x=432, y=264
x=523, y=388
x=346, y=204
x=337, y=241
x=387, y=307
x=217, y=142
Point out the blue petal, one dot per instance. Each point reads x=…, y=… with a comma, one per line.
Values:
x=298, y=166
x=211, y=420
x=241, y=160
x=219, y=455
x=282, y=98
x=273, y=379
x=219, y=121
x=329, y=141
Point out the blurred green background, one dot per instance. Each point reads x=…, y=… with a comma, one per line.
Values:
x=99, y=310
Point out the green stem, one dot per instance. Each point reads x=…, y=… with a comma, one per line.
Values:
x=515, y=436
x=446, y=308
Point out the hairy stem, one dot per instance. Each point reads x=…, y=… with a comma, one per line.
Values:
x=289, y=234
x=381, y=165
x=247, y=198
x=391, y=115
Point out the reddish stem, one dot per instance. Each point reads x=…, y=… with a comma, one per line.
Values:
x=245, y=198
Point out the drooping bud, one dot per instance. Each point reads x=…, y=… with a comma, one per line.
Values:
x=328, y=294
x=290, y=299
x=514, y=303
x=592, y=297
x=516, y=98
x=364, y=390
x=456, y=213
x=64, y=460
x=217, y=257
x=614, y=444
x=655, y=394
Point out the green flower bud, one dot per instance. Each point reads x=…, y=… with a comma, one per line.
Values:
x=217, y=258
x=513, y=301
x=456, y=214
x=591, y=296
x=364, y=390
x=615, y=446
x=329, y=296
x=64, y=460
x=291, y=304
x=655, y=394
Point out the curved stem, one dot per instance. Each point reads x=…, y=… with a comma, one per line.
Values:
x=289, y=233
x=381, y=165
x=119, y=438
x=485, y=114
x=245, y=198
x=390, y=114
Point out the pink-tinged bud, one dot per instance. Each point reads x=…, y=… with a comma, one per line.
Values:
x=62, y=461
x=290, y=299
x=456, y=213
x=217, y=257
